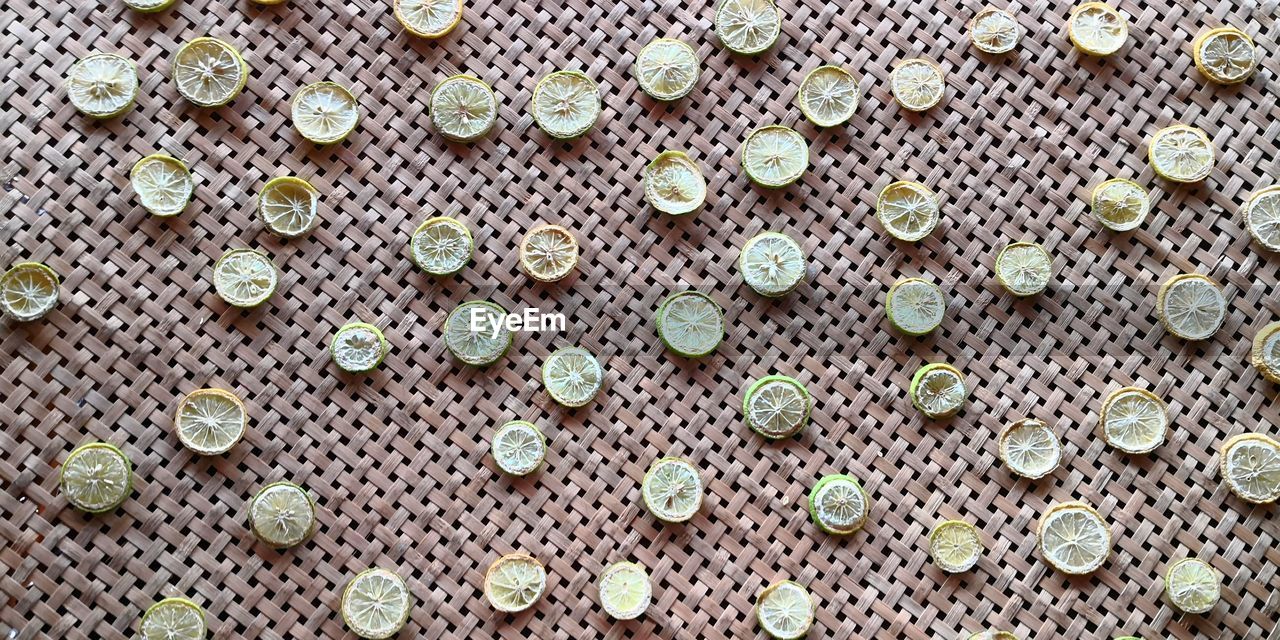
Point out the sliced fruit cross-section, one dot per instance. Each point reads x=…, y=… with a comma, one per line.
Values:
x=838, y=504
x=673, y=184
x=1250, y=464
x=428, y=18
x=288, y=206
x=1024, y=268
x=907, y=210
x=97, y=477
x=1265, y=354
x=1192, y=586
x=955, y=546
x=358, y=347
x=774, y=156
x=1191, y=306
x=672, y=490
x=667, y=69
x=748, y=27
x=519, y=447
x=1262, y=217
x=324, y=112
x=209, y=72
x=163, y=184
x=938, y=390
x=917, y=84
x=210, y=421
x=828, y=96
x=785, y=610
x=463, y=108
x=548, y=253
x=625, y=591
x=1120, y=205
x=690, y=324
x=174, y=619
x=441, y=246
x=915, y=306
x=1097, y=29
x=1225, y=55
x=476, y=333
x=1181, y=153
x=28, y=291
x=1133, y=420
x=566, y=104
x=1030, y=448
x=1073, y=538
x=772, y=264
x=102, y=85
x=514, y=582
x=572, y=376
x=776, y=407
x=245, y=278
x=994, y=31
x=376, y=604
x=282, y=515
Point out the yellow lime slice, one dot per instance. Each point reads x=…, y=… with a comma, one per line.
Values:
x=907, y=210
x=672, y=490
x=938, y=390
x=915, y=306
x=376, y=604
x=1024, y=268
x=1192, y=586
x=828, y=96
x=441, y=246
x=288, y=206
x=514, y=582
x=282, y=515
x=625, y=591
x=28, y=291
x=1073, y=538
x=1191, y=306
x=748, y=27
x=428, y=18
x=838, y=504
x=1262, y=217
x=918, y=84
x=174, y=619
x=955, y=546
x=673, y=184
x=785, y=610
x=519, y=447
x=1250, y=465
x=324, y=112
x=1181, y=154
x=548, y=253
x=245, y=278
x=572, y=376
x=163, y=184
x=102, y=85
x=772, y=264
x=1097, y=29
x=774, y=156
x=994, y=31
x=463, y=108
x=1133, y=420
x=149, y=6
x=566, y=104
x=476, y=333
x=1030, y=448
x=209, y=72
x=1120, y=205
x=1265, y=354
x=210, y=421
x=97, y=477
x=1225, y=55
x=667, y=69
x=358, y=347
x=690, y=324
x=776, y=406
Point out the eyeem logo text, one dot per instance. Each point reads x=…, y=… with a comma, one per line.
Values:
x=484, y=321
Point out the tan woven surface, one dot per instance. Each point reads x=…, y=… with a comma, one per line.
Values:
x=399, y=460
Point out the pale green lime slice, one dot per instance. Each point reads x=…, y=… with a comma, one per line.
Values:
x=514, y=582
x=776, y=407
x=210, y=421
x=102, y=85
x=358, y=347
x=245, y=278
x=838, y=504
x=672, y=490
x=209, y=72
x=772, y=264
x=288, y=206
x=376, y=604
x=97, y=477
x=774, y=156
x=519, y=447
x=748, y=27
x=785, y=610
x=915, y=306
x=463, y=108
x=667, y=69
x=324, y=112
x=163, y=184
x=673, y=184
x=174, y=619
x=566, y=104
x=828, y=96
x=625, y=591
x=572, y=376
x=1192, y=586
x=476, y=333
x=690, y=324
x=282, y=515
x=1030, y=448
x=28, y=291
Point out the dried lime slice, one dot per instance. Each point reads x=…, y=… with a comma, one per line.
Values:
x=97, y=477
x=1097, y=29
x=772, y=264
x=566, y=104
x=210, y=421
x=907, y=210
x=376, y=604
x=245, y=278
x=163, y=184
x=994, y=635
x=918, y=84
x=938, y=390
x=673, y=184
x=102, y=85
x=476, y=333
x=667, y=69
x=672, y=490
x=441, y=246
x=776, y=407
x=1073, y=538
x=1024, y=268
x=358, y=347
x=1265, y=354
x=994, y=31
x=1120, y=205
x=785, y=610
x=288, y=206
x=774, y=156
x=1030, y=448
x=828, y=96
x=748, y=27
x=149, y=6
x=324, y=112
x=174, y=619
x=1181, y=153
x=282, y=515
x=1225, y=55
x=1250, y=465
x=519, y=447
x=625, y=591
x=955, y=546
x=572, y=376
x=514, y=582
x=838, y=504
x=1191, y=306
x=428, y=18
x=28, y=291
x=209, y=72
x=915, y=306
x=548, y=253
x=690, y=324
x=1192, y=586
x=1262, y=217
x=463, y=108
x=1133, y=420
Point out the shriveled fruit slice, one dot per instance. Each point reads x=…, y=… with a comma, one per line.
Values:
x=566, y=104
x=1120, y=205
x=690, y=324
x=1262, y=217
x=174, y=619
x=625, y=591
x=376, y=604
x=1024, y=268
x=476, y=333
x=776, y=407
x=1225, y=55
x=748, y=27
x=672, y=490
x=245, y=278
x=938, y=390
x=149, y=6
x=28, y=291
x=288, y=206
x=994, y=31
x=1192, y=586
x=673, y=184
x=209, y=72
x=548, y=252
x=915, y=306
x=1191, y=306
x=907, y=210
x=917, y=84
x=993, y=635
x=519, y=447
x=572, y=376
x=282, y=515
x=1133, y=420
x=1030, y=448
x=667, y=69
x=828, y=96
x=1181, y=153
x=102, y=85
x=324, y=112
x=838, y=504
x=1073, y=538
x=785, y=610
x=514, y=582
x=1097, y=29
x=163, y=184
x=463, y=108
x=772, y=264
x=1265, y=354
x=955, y=546
x=1250, y=465
x=774, y=156
x=97, y=477
x=441, y=246
x=428, y=18
x=358, y=347
x=210, y=421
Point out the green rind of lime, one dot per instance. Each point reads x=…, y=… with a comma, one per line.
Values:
x=442, y=220
x=385, y=347
x=751, y=391
x=542, y=455
x=813, y=504
x=266, y=539
x=665, y=306
x=97, y=446
x=914, y=390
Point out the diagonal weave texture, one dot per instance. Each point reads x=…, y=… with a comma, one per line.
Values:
x=399, y=459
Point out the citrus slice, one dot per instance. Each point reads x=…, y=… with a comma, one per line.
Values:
x=174, y=619
x=209, y=72
x=1251, y=467
x=376, y=604
x=102, y=85
x=1191, y=306
x=776, y=407
x=519, y=447
x=673, y=184
x=917, y=84
x=690, y=324
x=244, y=278
x=1097, y=29
x=828, y=96
x=938, y=390
x=282, y=515
x=476, y=333
x=907, y=210
x=955, y=546
x=149, y=6
x=1133, y=420
x=210, y=421
x=566, y=104
x=324, y=112
x=772, y=264
x=1181, y=153
x=514, y=582
x=785, y=610
x=463, y=108
x=667, y=69
x=28, y=291
x=672, y=490
x=1262, y=217
x=1024, y=268
x=441, y=246
x=1073, y=538
x=1224, y=55
x=572, y=376
x=625, y=591
x=1192, y=586
x=358, y=347
x=774, y=156
x=994, y=31
x=1030, y=448
x=268, y=3
x=97, y=477
x=838, y=504
x=748, y=27
x=994, y=635
x=548, y=253
x=915, y=306
x=288, y=206
x=1120, y=205
x=428, y=18
x=1265, y=354
x=163, y=184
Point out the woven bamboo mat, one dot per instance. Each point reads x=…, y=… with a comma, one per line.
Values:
x=399, y=459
